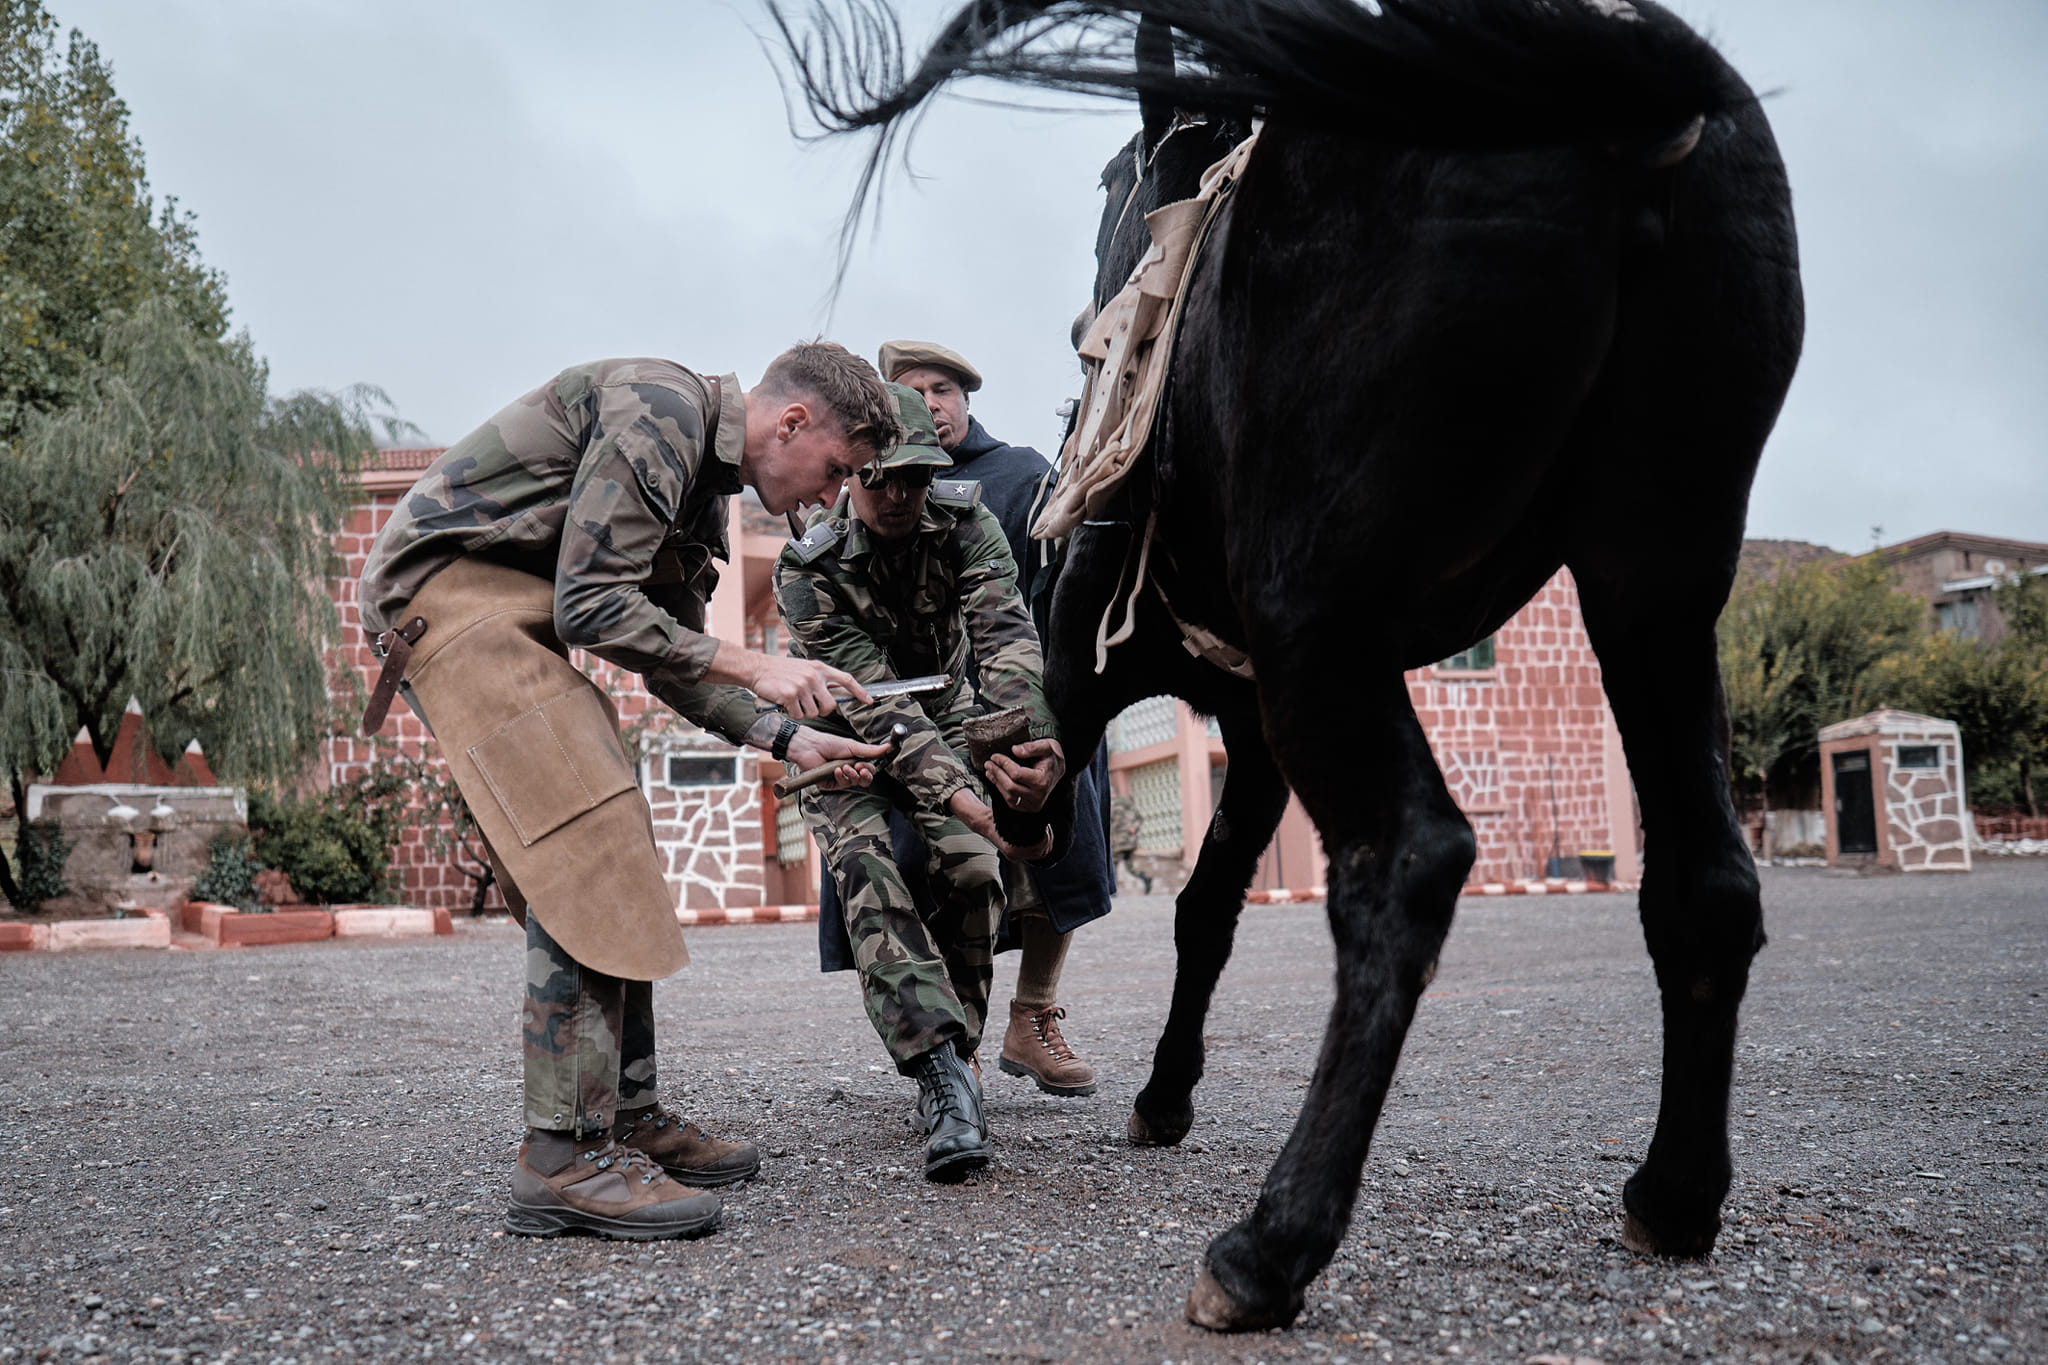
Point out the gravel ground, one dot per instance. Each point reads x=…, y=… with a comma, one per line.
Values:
x=300, y=1153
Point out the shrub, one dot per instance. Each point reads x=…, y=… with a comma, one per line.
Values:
x=230, y=875
x=335, y=845
x=40, y=850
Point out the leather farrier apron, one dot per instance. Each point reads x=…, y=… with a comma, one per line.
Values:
x=535, y=747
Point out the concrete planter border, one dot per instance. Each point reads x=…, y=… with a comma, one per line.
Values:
x=232, y=928
x=746, y=914
x=228, y=927
x=1534, y=886
x=390, y=921
x=1553, y=886
x=150, y=929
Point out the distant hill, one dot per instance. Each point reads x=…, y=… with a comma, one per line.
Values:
x=1766, y=558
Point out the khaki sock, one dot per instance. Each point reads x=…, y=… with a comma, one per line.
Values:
x=1038, y=970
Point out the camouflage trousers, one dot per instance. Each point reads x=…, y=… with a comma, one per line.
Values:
x=589, y=1040
x=925, y=977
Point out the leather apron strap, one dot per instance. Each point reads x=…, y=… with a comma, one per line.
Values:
x=394, y=647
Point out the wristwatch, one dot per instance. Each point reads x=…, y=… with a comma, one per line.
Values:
x=779, y=750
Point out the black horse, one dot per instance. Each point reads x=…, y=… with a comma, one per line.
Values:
x=1507, y=285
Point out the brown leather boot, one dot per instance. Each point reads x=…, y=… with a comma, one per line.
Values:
x=561, y=1185
x=682, y=1149
x=1033, y=1046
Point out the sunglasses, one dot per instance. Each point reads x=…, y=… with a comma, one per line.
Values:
x=912, y=477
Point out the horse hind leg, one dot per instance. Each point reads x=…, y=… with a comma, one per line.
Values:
x=1700, y=908
x=1704, y=350
x=1205, y=924
x=1399, y=853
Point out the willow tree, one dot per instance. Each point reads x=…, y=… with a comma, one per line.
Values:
x=166, y=537
x=165, y=522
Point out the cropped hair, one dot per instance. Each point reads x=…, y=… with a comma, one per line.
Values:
x=845, y=384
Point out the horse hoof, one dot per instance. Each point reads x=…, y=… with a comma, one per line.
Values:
x=1639, y=1239
x=1210, y=1306
x=1144, y=1134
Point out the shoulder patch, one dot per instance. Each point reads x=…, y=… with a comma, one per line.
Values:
x=956, y=492
x=816, y=541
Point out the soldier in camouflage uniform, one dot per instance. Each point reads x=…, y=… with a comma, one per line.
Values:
x=1050, y=901
x=900, y=579
x=1125, y=825
x=587, y=515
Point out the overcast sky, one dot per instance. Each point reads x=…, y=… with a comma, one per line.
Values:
x=453, y=199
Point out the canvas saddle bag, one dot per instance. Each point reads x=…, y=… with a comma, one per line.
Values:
x=1125, y=353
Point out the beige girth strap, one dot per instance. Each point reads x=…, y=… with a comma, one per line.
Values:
x=1200, y=641
x=1206, y=644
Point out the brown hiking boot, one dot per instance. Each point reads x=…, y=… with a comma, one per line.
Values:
x=597, y=1186
x=682, y=1149
x=1033, y=1046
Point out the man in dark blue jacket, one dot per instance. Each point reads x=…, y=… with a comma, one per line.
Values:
x=1046, y=904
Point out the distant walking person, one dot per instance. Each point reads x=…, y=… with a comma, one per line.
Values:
x=1125, y=825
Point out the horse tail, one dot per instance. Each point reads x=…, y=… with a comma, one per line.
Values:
x=1430, y=73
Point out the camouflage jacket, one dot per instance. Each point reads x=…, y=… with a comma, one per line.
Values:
x=603, y=481
x=902, y=609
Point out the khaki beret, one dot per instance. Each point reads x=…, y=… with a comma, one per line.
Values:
x=898, y=356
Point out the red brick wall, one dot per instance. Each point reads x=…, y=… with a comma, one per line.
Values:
x=425, y=878
x=1511, y=736
x=713, y=818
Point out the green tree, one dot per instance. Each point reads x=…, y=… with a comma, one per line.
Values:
x=1998, y=698
x=1797, y=653
x=2023, y=600
x=80, y=237
x=166, y=537
x=1997, y=695
x=165, y=523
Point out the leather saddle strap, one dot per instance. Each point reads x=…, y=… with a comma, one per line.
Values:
x=395, y=646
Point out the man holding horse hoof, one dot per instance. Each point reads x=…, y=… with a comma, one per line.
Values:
x=587, y=515
x=903, y=579
x=1049, y=901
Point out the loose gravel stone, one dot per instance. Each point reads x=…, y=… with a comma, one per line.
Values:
x=300, y=1154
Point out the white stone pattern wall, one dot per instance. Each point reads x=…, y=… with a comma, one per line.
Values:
x=1156, y=788
x=709, y=837
x=1929, y=826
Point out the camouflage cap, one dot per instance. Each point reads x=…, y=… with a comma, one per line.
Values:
x=921, y=445
x=898, y=356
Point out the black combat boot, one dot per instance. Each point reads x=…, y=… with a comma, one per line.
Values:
x=949, y=1109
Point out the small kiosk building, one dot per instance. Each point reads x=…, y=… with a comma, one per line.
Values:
x=1892, y=787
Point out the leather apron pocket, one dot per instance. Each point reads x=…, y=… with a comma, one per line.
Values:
x=552, y=763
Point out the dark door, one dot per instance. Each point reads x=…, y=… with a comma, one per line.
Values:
x=1855, y=811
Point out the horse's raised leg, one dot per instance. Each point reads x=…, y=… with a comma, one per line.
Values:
x=1399, y=852
x=1205, y=922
